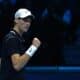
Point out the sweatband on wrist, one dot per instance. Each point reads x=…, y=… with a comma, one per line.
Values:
x=32, y=49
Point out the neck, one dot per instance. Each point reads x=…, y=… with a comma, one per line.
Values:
x=17, y=30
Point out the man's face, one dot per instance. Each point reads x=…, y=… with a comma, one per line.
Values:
x=24, y=24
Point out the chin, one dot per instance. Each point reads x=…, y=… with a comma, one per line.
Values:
x=25, y=30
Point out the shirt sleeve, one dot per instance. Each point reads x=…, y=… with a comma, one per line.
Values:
x=12, y=46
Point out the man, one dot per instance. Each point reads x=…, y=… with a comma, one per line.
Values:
x=14, y=53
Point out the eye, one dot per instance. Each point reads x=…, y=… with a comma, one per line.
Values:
x=27, y=20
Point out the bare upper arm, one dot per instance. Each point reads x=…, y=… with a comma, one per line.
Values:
x=19, y=61
x=15, y=58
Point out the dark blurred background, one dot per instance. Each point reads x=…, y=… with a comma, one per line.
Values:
x=56, y=24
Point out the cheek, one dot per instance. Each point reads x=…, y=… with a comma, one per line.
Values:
x=28, y=24
x=22, y=22
x=23, y=25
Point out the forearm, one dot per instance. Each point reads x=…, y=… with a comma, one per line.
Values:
x=22, y=61
x=19, y=61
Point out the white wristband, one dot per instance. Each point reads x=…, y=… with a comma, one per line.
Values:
x=32, y=49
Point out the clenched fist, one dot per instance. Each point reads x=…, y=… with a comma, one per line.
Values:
x=36, y=42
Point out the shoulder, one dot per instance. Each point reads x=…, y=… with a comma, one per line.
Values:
x=10, y=37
